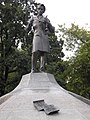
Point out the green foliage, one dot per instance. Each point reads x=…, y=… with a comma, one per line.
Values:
x=78, y=70
x=13, y=17
x=56, y=47
x=20, y=65
x=54, y=59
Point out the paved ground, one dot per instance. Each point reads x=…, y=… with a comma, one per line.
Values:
x=18, y=105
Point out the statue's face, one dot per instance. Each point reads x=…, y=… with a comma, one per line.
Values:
x=40, y=10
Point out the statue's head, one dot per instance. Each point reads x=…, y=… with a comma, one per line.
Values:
x=41, y=9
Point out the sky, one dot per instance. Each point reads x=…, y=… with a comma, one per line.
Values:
x=68, y=11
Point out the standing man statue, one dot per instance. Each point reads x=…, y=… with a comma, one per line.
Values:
x=41, y=27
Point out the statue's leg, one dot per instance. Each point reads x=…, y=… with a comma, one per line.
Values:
x=33, y=62
x=42, y=61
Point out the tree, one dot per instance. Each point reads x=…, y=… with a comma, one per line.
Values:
x=54, y=59
x=78, y=71
x=12, y=20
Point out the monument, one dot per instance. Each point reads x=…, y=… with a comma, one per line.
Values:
x=22, y=102
x=41, y=27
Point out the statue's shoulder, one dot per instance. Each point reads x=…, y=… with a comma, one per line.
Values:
x=31, y=19
x=35, y=18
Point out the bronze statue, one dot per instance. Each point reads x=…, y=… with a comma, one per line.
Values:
x=41, y=27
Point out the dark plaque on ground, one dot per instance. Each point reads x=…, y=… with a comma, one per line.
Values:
x=40, y=105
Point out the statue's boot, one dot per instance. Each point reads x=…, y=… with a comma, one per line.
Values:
x=33, y=62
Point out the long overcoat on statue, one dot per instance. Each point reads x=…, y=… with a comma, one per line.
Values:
x=40, y=39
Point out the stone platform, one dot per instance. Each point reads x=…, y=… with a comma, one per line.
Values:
x=18, y=104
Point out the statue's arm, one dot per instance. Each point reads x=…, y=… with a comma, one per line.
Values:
x=29, y=25
x=49, y=26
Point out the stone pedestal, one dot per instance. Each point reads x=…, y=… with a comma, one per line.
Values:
x=18, y=104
